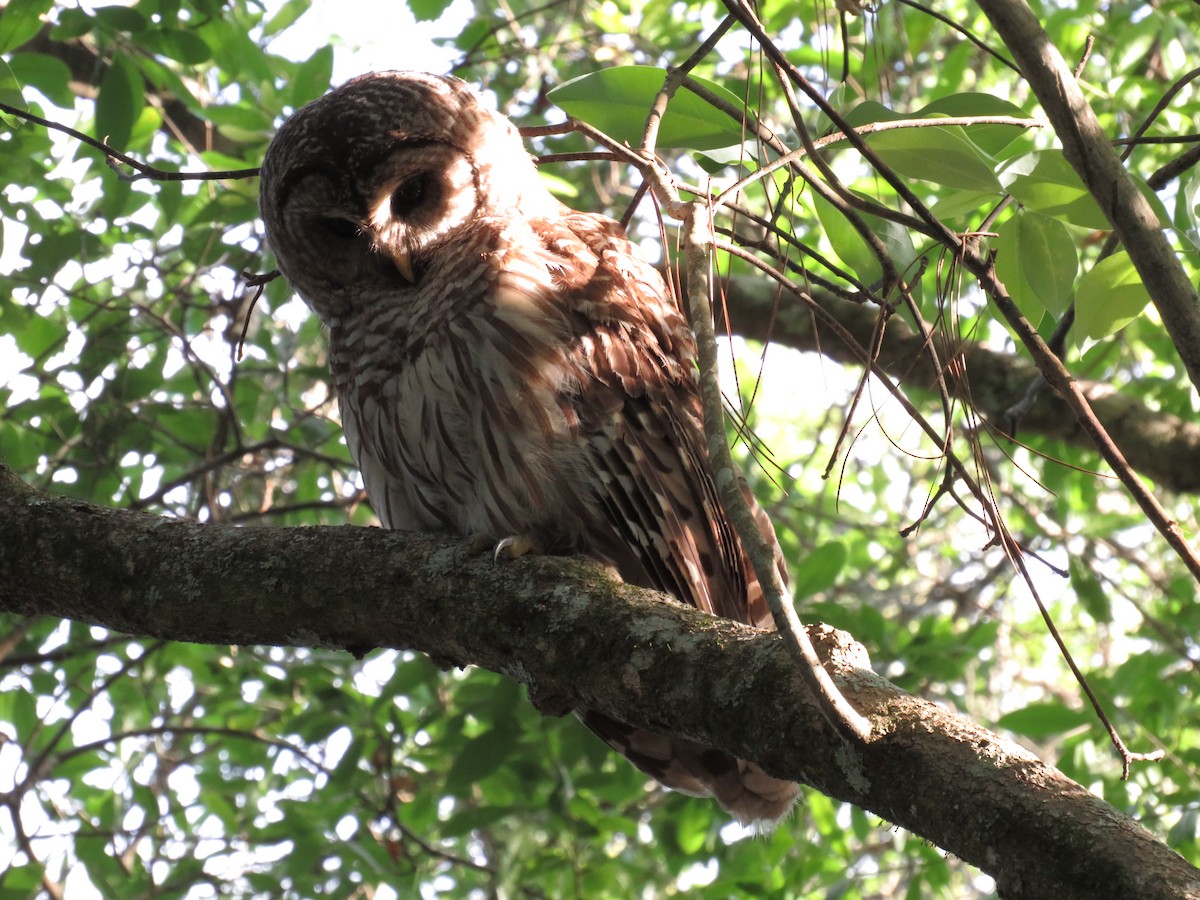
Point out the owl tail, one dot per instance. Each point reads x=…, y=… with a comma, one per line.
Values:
x=742, y=788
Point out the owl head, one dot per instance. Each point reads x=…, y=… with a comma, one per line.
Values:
x=360, y=188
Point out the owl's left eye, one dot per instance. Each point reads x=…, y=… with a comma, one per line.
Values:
x=414, y=192
x=341, y=228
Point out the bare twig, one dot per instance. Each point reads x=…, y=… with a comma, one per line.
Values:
x=698, y=243
x=113, y=156
x=698, y=240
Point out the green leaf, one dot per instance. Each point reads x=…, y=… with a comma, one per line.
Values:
x=10, y=93
x=1042, y=720
x=1037, y=261
x=472, y=818
x=182, y=46
x=241, y=122
x=1186, y=831
x=692, y=824
x=428, y=10
x=119, y=102
x=1090, y=592
x=72, y=23
x=48, y=74
x=852, y=248
x=285, y=17
x=312, y=78
x=35, y=334
x=22, y=881
x=617, y=100
x=991, y=139
x=819, y=570
x=941, y=154
x=1187, y=211
x=121, y=18
x=480, y=757
x=1108, y=298
x=1044, y=181
x=958, y=204
x=20, y=708
x=20, y=21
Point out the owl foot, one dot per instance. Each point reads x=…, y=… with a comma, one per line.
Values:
x=516, y=545
x=511, y=547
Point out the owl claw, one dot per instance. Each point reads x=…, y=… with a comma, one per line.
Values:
x=516, y=545
x=511, y=547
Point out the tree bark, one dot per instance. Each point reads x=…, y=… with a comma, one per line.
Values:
x=575, y=638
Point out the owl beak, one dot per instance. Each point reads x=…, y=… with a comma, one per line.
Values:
x=403, y=264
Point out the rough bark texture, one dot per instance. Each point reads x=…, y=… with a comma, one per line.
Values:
x=617, y=649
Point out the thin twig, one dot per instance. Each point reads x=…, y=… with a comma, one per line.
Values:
x=965, y=32
x=699, y=239
x=698, y=243
x=1163, y=102
x=111, y=154
x=871, y=128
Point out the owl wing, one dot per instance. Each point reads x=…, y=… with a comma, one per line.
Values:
x=638, y=405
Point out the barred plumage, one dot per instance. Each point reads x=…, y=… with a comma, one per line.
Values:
x=508, y=367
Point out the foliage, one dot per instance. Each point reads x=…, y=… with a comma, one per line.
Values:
x=157, y=769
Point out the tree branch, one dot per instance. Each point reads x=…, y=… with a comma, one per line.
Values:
x=612, y=647
x=1157, y=444
x=1091, y=154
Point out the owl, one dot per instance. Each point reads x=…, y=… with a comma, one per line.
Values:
x=509, y=370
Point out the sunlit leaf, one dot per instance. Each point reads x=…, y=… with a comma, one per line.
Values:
x=312, y=78
x=853, y=249
x=1037, y=261
x=1109, y=297
x=21, y=20
x=10, y=93
x=991, y=139
x=119, y=103
x=428, y=10
x=1044, y=181
x=617, y=101
x=941, y=154
x=48, y=74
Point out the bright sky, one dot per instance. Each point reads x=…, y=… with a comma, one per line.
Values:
x=368, y=36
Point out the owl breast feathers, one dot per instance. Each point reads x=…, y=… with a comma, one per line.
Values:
x=508, y=369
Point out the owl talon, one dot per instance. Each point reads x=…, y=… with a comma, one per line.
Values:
x=516, y=545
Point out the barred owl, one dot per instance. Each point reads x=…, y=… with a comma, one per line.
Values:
x=509, y=370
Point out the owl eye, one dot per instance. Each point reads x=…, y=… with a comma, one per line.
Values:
x=341, y=228
x=410, y=195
